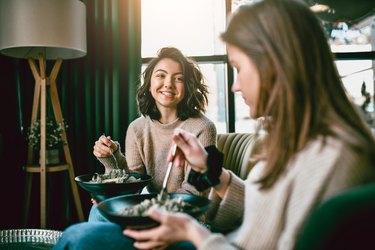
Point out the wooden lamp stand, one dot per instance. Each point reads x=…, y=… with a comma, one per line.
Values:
x=39, y=104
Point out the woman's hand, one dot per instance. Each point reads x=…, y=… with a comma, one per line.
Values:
x=104, y=147
x=190, y=150
x=173, y=227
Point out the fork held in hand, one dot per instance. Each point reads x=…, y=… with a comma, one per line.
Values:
x=113, y=156
x=163, y=193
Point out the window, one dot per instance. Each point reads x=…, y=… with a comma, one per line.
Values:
x=194, y=26
x=354, y=46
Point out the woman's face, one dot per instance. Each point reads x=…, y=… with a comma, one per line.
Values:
x=167, y=84
x=247, y=81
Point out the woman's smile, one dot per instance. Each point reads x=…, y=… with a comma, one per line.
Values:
x=167, y=93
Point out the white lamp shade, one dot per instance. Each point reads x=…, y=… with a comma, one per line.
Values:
x=56, y=28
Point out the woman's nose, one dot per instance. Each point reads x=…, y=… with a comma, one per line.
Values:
x=235, y=87
x=168, y=82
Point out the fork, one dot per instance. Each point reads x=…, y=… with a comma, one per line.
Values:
x=163, y=193
x=113, y=156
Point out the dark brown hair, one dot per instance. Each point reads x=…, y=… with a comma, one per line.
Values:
x=195, y=99
x=300, y=87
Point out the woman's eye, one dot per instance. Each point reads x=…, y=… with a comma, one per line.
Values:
x=179, y=79
x=160, y=75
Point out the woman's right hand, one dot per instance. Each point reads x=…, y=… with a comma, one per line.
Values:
x=190, y=150
x=104, y=147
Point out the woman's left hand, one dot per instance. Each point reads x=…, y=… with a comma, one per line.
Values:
x=173, y=227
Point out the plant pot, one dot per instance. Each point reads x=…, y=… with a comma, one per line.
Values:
x=52, y=157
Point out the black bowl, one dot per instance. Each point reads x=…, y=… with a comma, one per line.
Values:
x=102, y=191
x=111, y=209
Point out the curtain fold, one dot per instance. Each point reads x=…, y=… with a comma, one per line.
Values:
x=97, y=92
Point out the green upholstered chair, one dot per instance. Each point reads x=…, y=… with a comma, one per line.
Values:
x=345, y=221
x=238, y=148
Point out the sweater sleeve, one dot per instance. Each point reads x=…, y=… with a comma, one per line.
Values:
x=207, y=136
x=227, y=213
x=109, y=163
x=134, y=146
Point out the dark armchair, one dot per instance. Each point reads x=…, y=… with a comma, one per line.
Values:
x=345, y=221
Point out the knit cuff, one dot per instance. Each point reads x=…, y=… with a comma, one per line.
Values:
x=118, y=151
x=214, y=168
x=108, y=162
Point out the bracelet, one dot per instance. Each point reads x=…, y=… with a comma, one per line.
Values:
x=214, y=168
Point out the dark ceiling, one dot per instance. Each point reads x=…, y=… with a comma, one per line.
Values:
x=350, y=11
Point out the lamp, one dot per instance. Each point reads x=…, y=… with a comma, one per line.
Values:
x=44, y=30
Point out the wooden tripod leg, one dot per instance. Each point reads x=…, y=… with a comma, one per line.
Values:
x=34, y=115
x=59, y=118
x=43, y=170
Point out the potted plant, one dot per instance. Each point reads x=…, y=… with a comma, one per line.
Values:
x=54, y=132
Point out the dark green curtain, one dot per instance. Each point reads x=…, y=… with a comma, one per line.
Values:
x=12, y=144
x=97, y=93
x=98, y=90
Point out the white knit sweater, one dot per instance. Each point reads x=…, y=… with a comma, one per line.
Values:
x=271, y=219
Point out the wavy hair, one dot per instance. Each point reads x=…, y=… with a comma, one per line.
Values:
x=300, y=87
x=196, y=91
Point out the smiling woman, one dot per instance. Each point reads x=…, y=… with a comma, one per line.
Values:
x=173, y=95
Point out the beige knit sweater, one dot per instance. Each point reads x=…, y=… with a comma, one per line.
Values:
x=271, y=219
x=147, y=145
